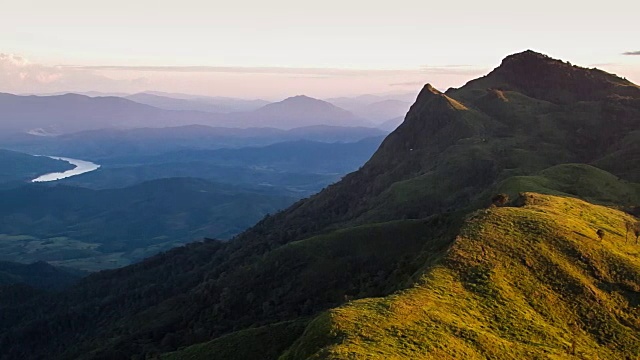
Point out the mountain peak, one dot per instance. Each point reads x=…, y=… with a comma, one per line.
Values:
x=301, y=99
x=543, y=77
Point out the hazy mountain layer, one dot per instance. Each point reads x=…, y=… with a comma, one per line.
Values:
x=60, y=114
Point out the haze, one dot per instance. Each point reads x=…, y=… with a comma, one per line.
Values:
x=274, y=49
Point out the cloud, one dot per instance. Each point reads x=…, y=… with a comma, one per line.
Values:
x=19, y=75
x=18, y=71
x=307, y=72
x=250, y=70
x=631, y=53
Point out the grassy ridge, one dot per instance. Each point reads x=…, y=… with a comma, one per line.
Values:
x=528, y=282
x=576, y=180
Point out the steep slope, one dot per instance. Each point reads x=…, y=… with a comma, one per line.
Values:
x=374, y=232
x=518, y=282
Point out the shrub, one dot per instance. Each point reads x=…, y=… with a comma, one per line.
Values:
x=500, y=199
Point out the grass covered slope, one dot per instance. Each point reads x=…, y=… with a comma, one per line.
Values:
x=576, y=180
x=518, y=282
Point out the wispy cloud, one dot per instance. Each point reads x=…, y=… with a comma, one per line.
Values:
x=631, y=53
x=18, y=74
x=247, y=70
x=316, y=72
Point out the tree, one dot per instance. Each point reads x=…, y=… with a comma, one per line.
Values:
x=500, y=199
x=629, y=225
x=636, y=230
x=600, y=234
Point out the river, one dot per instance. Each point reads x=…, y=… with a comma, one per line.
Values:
x=81, y=167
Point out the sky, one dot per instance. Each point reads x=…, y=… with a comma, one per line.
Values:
x=278, y=48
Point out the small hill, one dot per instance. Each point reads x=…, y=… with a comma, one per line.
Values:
x=16, y=167
x=518, y=282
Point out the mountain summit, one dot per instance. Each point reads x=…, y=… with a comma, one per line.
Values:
x=543, y=77
x=405, y=258
x=300, y=111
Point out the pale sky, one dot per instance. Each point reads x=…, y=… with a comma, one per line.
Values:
x=277, y=48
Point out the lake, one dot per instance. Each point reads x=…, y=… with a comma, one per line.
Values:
x=81, y=167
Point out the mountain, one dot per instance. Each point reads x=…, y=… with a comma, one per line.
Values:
x=98, y=145
x=18, y=167
x=300, y=111
x=193, y=103
x=72, y=112
x=406, y=257
x=380, y=111
x=391, y=124
x=376, y=108
x=69, y=113
x=227, y=103
x=38, y=275
x=97, y=229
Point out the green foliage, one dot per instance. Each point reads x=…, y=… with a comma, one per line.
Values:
x=100, y=229
x=500, y=199
x=517, y=283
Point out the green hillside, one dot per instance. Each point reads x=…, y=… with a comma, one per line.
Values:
x=402, y=259
x=518, y=282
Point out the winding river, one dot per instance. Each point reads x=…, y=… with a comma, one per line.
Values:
x=81, y=167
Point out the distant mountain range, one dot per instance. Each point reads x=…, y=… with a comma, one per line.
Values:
x=376, y=108
x=68, y=113
x=108, y=143
x=185, y=102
